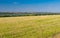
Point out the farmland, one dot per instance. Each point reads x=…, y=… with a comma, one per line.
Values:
x=30, y=26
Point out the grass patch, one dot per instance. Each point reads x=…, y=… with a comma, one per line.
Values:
x=29, y=26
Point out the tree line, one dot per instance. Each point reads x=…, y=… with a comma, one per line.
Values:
x=13, y=14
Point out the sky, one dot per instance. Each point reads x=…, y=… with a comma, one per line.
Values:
x=29, y=5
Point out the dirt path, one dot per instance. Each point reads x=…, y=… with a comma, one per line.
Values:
x=56, y=36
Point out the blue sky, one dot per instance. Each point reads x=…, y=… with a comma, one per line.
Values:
x=29, y=5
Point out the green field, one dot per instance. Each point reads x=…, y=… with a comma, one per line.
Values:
x=29, y=26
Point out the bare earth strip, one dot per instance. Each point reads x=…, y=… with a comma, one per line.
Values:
x=57, y=35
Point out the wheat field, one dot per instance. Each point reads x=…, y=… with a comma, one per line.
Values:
x=30, y=26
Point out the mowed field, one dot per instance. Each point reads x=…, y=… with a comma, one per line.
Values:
x=30, y=26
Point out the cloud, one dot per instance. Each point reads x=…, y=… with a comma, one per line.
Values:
x=15, y=2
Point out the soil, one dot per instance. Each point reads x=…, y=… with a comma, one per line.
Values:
x=56, y=36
